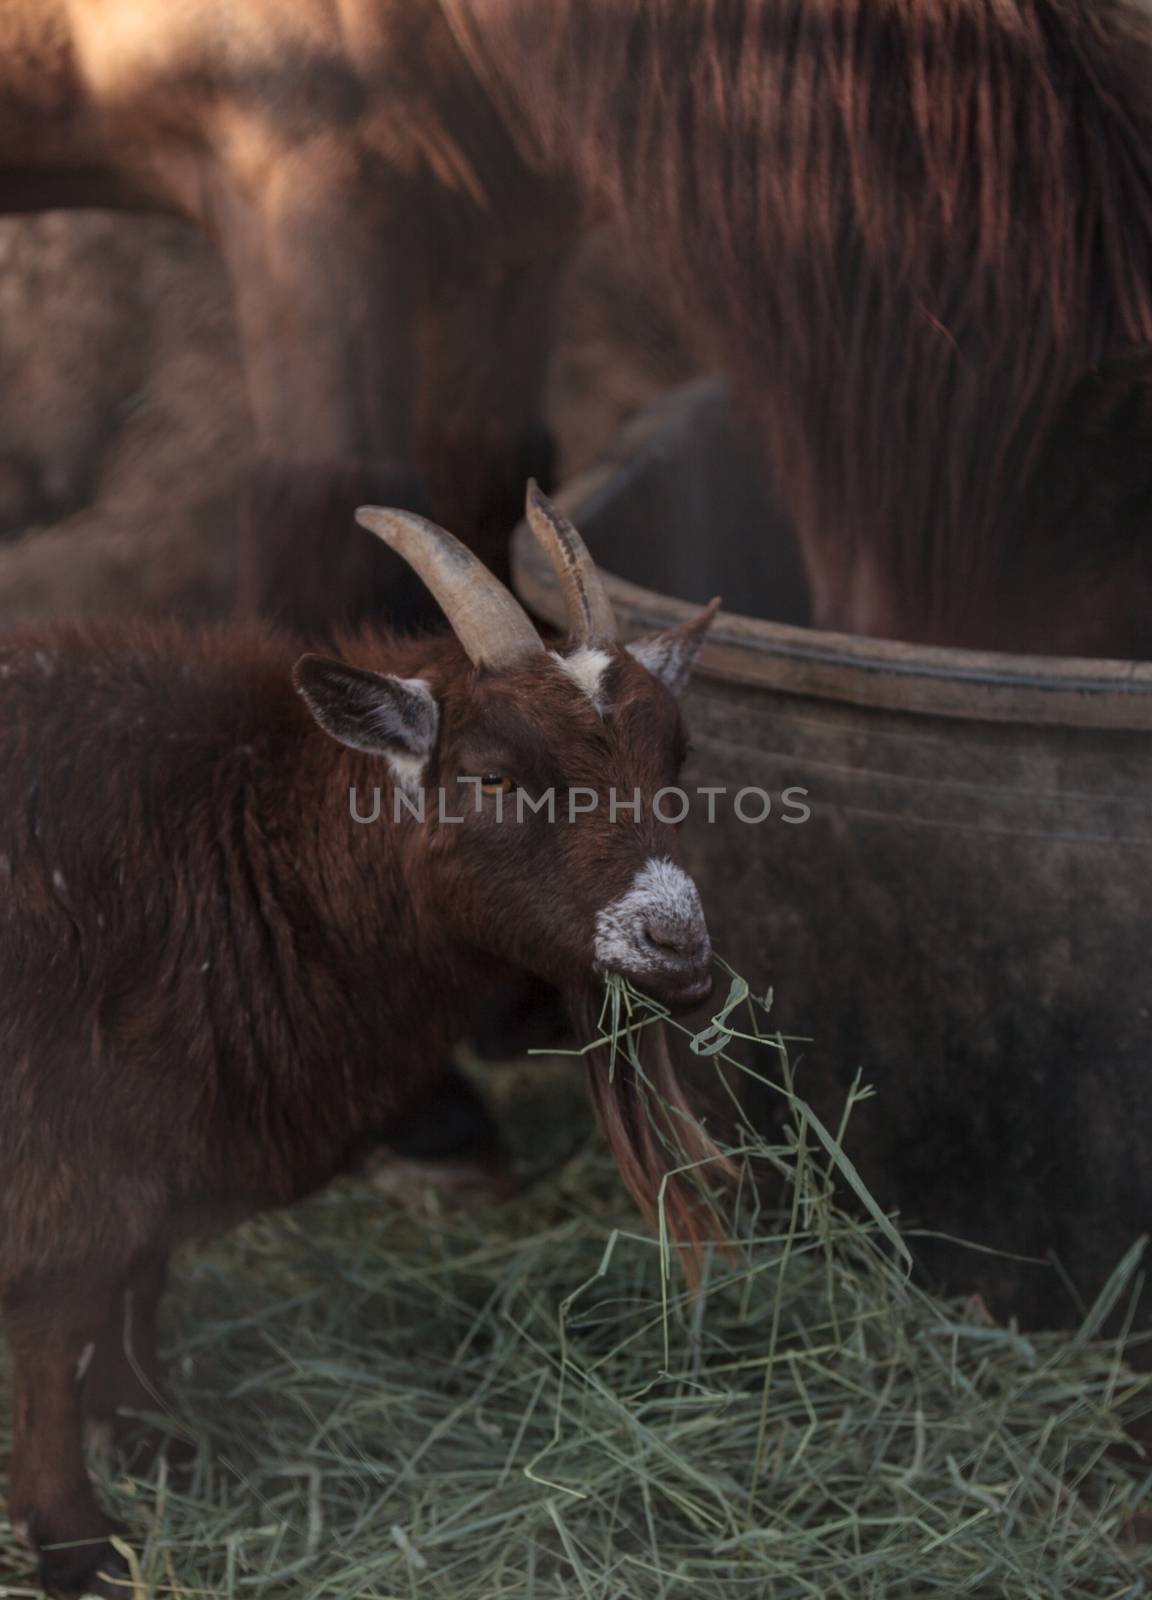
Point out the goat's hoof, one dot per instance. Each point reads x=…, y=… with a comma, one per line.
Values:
x=90, y=1569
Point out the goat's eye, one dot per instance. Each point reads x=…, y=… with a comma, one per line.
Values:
x=496, y=783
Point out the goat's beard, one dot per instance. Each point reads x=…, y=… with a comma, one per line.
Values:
x=651, y=1130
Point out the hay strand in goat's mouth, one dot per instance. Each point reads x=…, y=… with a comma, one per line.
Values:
x=663, y=1153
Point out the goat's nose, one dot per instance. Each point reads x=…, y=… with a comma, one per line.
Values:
x=673, y=937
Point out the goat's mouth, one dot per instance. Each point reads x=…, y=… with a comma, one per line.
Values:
x=683, y=992
x=655, y=936
x=680, y=986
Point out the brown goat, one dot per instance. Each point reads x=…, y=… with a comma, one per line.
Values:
x=215, y=983
x=917, y=232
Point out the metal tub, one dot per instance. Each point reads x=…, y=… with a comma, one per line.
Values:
x=965, y=915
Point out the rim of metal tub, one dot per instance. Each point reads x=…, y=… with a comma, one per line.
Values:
x=883, y=674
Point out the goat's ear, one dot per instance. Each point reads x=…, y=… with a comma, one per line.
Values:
x=671, y=656
x=368, y=711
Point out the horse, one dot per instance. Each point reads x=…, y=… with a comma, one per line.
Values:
x=917, y=235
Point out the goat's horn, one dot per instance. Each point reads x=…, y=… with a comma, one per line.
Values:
x=488, y=621
x=590, y=616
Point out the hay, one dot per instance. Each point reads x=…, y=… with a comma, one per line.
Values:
x=524, y=1402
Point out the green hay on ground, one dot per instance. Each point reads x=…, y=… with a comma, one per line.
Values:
x=523, y=1402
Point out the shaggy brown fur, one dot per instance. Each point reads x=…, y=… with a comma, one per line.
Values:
x=215, y=986
x=911, y=227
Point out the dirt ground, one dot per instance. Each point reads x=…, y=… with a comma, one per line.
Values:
x=124, y=430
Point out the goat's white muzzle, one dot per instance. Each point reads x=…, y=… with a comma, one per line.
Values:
x=655, y=935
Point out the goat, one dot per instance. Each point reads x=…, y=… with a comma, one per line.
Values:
x=215, y=984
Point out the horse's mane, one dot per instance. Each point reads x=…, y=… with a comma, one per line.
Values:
x=910, y=226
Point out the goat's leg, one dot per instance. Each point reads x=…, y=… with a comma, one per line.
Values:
x=123, y=1375
x=50, y=1498
x=448, y=1139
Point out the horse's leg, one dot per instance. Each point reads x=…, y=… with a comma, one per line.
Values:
x=486, y=336
x=321, y=283
x=50, y=1323
x=395, y=336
